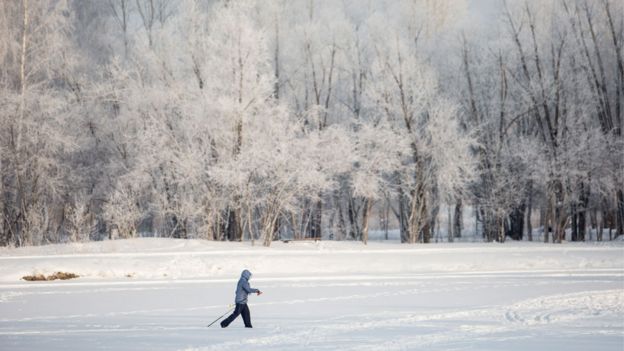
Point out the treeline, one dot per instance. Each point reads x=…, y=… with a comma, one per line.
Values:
x=253, y=120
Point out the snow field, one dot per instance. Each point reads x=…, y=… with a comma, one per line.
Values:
x=319, y=296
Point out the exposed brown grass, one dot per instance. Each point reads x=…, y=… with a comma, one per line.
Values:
x=55, y=276
x=34, y=277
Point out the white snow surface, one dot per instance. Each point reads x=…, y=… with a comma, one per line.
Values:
x=159, y=294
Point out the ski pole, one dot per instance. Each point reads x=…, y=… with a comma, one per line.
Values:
x=223, y=315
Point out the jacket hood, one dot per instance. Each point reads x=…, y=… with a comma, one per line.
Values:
x=246, y=274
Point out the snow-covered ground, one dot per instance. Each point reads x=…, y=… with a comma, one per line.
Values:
x=159, y=294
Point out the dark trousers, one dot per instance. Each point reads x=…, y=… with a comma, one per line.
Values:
x=241, y=308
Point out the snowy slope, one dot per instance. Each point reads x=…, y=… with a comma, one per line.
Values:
x=158, y=294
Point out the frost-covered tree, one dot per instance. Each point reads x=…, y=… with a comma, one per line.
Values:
x=528, y=100
x=38, y=92
x=598, y=31
x=253, y=120
x=551, y=76
x=319, y=34
x=378, y=153
x=406, y=93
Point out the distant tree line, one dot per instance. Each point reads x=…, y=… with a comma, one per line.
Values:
x=257, y=120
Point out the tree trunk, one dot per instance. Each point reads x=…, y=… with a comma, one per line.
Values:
x=620, y=213
x=574, y=222
x=233, y=230
x=476, y=212
x=342, y=226
x=542, y=213
x=386, y=217
x=501, y=229
x=431, y=219
x=368, y=206
x=219, y=228
x=553, y=220
x=3, y=232
x=250, y=226
x=458, y=222
x=450, y=227
x=516, y=222
x=317, y=219
x=295, y=226
x=547, y=217
x=587, y=220
x=601, y=224
x=269, y=223
x=493, y=225
x=306, y=219
x=529, y=211
x=594, y=223
x=582, y=212
x=559, y=216
x=403, y=216
x=354, y=213
x=419, y=223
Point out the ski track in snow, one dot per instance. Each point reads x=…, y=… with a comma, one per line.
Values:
x=335, y=328
x=558, y=308
x=566, y=308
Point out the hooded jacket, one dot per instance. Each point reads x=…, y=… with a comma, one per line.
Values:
x=243, y=289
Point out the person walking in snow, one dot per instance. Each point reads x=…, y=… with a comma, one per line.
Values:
x=242, y=290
